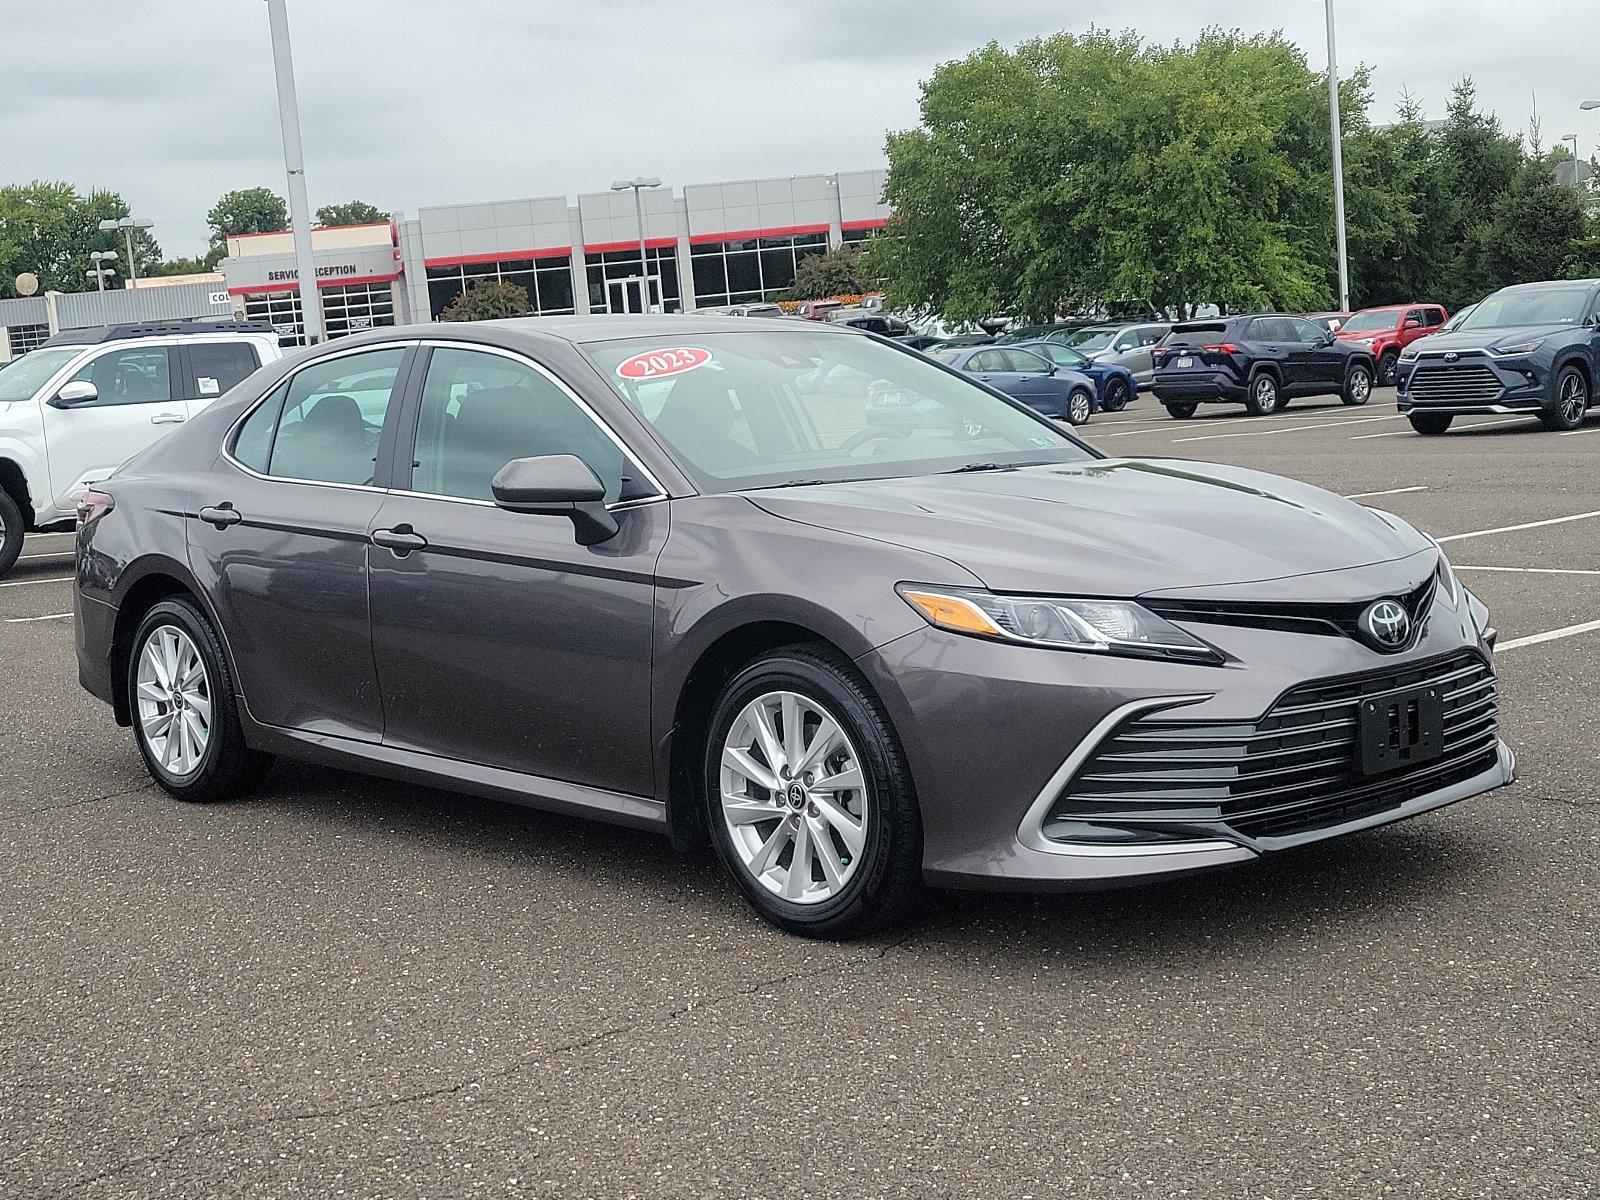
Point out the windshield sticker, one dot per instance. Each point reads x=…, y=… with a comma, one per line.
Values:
x=1048, y=441
x=657, y=364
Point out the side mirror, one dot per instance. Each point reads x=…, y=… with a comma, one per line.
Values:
x=1051, y=369
x=75, y=394
x=557, y=485
x=1412, y=323
x=1328, y=339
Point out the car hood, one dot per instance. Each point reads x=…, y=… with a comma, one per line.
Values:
x=1477, y=339
x=1112, y=527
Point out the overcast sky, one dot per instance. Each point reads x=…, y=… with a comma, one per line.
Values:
x=415, y=102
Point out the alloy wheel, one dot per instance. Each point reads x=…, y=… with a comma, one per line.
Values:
x=1574, y=398
x=794, y=798
x=1266, y=394
x=1078, y=409
x=1360, y=385
x=173, y=694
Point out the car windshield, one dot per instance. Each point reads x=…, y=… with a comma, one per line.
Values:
x=1541, y=306
x=772, y=407
x=1090, y=340
x=1372, y=322
x=22, y=378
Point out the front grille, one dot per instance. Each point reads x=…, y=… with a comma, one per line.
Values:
x=1454, y=383
x=1332, y=619
x=1291, y=771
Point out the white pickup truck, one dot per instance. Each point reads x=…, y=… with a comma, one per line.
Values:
x=82, y=404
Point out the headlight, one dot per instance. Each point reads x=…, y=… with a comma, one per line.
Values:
x=1447, y=580
x=1516, y=348
x=1409, y=354
x=1108, y=626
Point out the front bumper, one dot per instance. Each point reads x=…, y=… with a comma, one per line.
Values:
x=995, y=733
x=1473, y=382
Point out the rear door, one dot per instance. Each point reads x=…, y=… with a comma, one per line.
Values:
x=281, y=538
x=208, y=369
x=1273, y=340
x=991, y=367
x=1036, y=384
x=135, y=405
x=1320, y=360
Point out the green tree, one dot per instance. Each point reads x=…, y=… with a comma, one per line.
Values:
x=491, y=300
x=182, y=266
x=1534, y=230
x=1096, y=168
x=356, y=212
x=250, y=210
x=832, y=273
x=49, y=229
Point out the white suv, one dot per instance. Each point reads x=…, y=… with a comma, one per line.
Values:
x=81, y=405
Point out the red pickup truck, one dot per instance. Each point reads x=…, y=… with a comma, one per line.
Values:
x=1388, y=330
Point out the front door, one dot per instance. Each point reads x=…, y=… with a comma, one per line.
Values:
x=1323, y=362
x=634, y=295
x=134, y=406
x=499, y=640
x=280, y=542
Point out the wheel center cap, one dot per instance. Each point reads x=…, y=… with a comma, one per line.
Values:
x=797, y=796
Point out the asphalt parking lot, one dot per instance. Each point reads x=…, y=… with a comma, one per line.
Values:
x=342, y=987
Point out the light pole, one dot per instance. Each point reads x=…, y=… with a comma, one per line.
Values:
x=127, y=225
x=294, y=164
x=1338, y=162
x=100, y=272
x=639, y=184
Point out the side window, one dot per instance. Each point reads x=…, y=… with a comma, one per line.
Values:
x=1150, y=335
x=1127, y=341
x=986, y=360
x=1308, y=332
x=480, y=411
x=252, y=445
x=1026, y=362
x=1432, y=317
x=333, y=413
x=134, y=375
x=1266, y=329
x=214, y=367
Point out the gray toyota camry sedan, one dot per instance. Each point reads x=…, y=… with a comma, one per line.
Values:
x=849, y=615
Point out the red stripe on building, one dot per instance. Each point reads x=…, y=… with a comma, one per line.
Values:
x=745, y=235
x=632, y=244
x=294, y=284
x=872, y=223
x=456, y=260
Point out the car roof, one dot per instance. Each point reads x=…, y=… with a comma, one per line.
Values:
x=604, y=327
x=1550, y=284
x=95, y=335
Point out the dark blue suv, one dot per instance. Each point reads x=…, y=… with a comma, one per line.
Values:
x=1261, y=361
x=1533, y=348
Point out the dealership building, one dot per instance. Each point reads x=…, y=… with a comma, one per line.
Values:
x=705, y=246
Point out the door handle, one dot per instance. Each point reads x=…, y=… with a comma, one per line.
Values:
x=402, y=539
x=221, y=515
x=169, y=418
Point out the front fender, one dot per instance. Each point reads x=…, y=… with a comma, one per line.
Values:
x=23, y=453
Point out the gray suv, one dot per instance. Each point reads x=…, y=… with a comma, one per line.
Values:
x=852, y=617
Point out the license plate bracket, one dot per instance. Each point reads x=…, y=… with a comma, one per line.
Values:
x=1184, y=362
x=1400, y=730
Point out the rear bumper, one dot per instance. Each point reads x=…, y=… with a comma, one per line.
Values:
x=1199, y=388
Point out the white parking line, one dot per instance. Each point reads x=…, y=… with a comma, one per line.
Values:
x=1461, y=537
x=1404, y=432
x=1287, y=429
x=57, y=554
x=1576, y=432
x=25, y=620
x=36, y=582
x=1534, y=639
x=1528, y=570
x=1421, y=487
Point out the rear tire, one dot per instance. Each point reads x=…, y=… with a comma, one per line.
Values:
x=1181, y=412
x=1117, y=396
x=855, y=890
x=1357, y=385
x=185, y=710
x=11, y=532
x=1079, y=408
x=1572, y=401
x=1266, y=397
x=1431, y=424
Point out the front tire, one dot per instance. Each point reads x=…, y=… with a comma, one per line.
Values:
x=809, y=797
x=1265, y=396
x=1389, y=368
x=1181, y=412
x=1431, y=424
x=1079, y=408
x=1572, y=401
x=1117, y=396
x=11, y=531
x=1357, y=385
x=184, y=707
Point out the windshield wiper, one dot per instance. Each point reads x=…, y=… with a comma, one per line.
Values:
x=983, y=466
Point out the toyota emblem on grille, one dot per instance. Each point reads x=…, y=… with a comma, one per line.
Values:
x=1386, y=624
x=1451, y=356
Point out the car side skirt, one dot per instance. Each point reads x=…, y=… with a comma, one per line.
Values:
x=491, y=783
